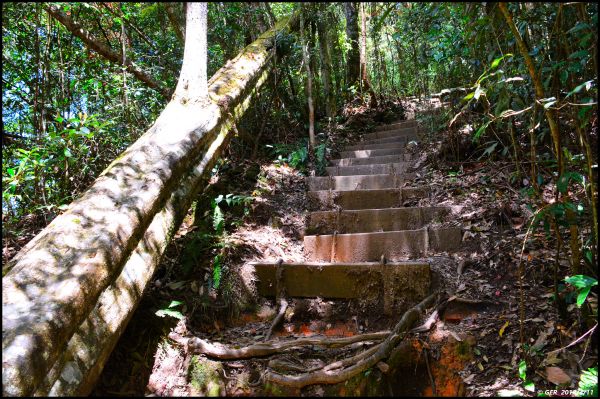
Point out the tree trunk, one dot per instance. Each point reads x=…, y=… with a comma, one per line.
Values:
x=70, y=290
x=537, y=84
x=365, y=83
x=353, y=58
x=326, y=66
x=306, y=61
x=105, y=51
x=192, y=85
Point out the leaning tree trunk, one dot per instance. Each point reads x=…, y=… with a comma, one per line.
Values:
x=72, y=289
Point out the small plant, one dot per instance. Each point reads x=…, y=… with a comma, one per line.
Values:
x=528, y=384
x=583, y=285
x=170, y=310
x=588, y=383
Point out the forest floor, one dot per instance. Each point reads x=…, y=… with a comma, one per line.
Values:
x=472, y=346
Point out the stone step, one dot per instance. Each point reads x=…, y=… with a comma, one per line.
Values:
x=374, y=169
x=410, y=131
x=376, y=146
x=397, y=125
x=364, y=199
x=371, y=160
x=393, y=284
x=394, y=245
x=371, y=153
x=373, y=220
x=357, y=182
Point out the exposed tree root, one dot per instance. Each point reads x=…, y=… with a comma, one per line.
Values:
x=362, y=362
x=332, y=373
x=280, y=296
x=223, y=352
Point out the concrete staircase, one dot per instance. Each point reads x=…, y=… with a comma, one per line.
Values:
x=360, y=235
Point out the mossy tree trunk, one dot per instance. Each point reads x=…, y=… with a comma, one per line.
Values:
x=70, y=292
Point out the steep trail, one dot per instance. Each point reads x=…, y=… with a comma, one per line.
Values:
x=360, y=226
x=375, y=245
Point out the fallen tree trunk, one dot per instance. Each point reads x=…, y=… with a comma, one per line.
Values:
x=72, y=289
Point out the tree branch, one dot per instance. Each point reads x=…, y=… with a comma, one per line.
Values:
x=174, y=22
x=105, y=51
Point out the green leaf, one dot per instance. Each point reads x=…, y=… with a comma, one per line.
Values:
x=579, y=54
x=175, y=303
x=529, y=386
x=67, y=153
x=587, y=85
x=588, y=382
x=496, y=62
x=468, y=96
x=582, y=295
x=218, y=219
x=523, y=370
x=581, y=281
x=480, y=131
x=579, y=26
x=168, y=312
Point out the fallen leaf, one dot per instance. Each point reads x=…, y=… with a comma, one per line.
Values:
x=503, y=328
x=469, y=378
x=557, y=376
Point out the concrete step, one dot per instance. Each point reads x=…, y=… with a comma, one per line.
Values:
x=394, y=245
x=373, y=220
x=358, y=182
x=400, y=139
x=376, y=146
x=374, y=169
x=394, y=285
x=409, y=131
x=397, y=125
x=364, y=199
x=371, y=160
x=371, y=153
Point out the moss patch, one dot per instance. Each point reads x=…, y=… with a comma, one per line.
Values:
x=204, y=376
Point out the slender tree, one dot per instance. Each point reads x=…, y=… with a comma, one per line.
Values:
x=309, y=93
x=353, y=58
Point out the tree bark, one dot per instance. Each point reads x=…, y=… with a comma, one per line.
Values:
x=192, y=85
x=86, y=271
x=537, y=84
x=353, y=58
x=92, y=43
x=365, y=83
x=309, y=94
x=330, y=106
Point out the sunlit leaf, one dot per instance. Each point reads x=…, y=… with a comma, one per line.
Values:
x=496, y=62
